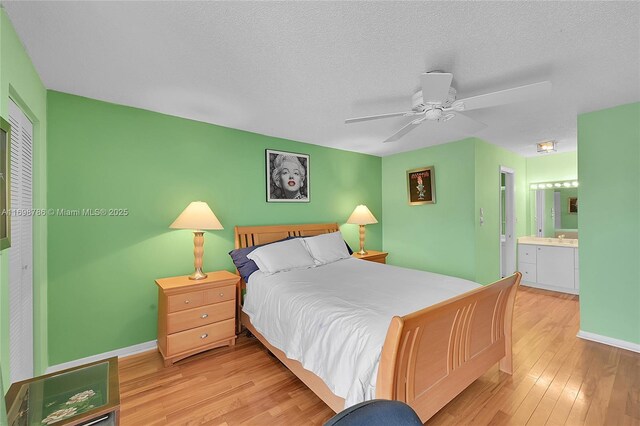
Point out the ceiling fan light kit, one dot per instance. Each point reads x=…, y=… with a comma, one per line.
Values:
x=437, y=101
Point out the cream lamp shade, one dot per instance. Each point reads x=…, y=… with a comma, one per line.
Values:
x=199, y=217
x=362, y=216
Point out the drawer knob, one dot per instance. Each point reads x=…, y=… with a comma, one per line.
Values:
x=221, y=294
x=204, y=336
x=203, y=316
x=186, y=302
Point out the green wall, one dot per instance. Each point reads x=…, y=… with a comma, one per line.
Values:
x=488, y=159
x=446, y=237
x=552, y=167
x=435, y=237
x=102, y=269
x=20, y=81
x=609, y=166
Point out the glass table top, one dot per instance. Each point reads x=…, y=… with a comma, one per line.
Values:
x=56, y=398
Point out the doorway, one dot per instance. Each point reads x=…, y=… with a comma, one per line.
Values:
x=507, y=222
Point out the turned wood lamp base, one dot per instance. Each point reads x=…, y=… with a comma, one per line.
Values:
x=362, y=250
x=198, y=251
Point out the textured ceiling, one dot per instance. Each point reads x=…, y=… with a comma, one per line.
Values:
x=297, y=69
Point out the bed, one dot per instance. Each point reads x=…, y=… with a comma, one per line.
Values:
x=428, y=356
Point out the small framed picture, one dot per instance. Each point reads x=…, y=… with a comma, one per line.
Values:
x=573, y=205
x=287, y=177
x=421, y=186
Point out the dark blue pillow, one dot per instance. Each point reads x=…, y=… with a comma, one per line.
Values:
x=244, y=265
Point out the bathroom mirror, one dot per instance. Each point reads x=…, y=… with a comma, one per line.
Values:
x=554, y=209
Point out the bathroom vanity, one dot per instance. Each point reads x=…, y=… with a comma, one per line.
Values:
x=549, y=263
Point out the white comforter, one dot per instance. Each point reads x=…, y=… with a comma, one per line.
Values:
x=334, y=318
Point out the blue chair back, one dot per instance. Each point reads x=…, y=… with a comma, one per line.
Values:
x=377, y=412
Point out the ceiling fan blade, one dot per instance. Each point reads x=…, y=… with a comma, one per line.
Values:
x=406, y=129
x=508, y=96
x=375, y=117
x=435, y=86
x=467, y=124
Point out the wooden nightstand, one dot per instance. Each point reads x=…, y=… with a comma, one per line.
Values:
x=373, y=256
x=195, y=316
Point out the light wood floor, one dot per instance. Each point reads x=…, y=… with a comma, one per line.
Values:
x=558, y=379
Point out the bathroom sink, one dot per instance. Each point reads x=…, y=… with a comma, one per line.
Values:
x=573, y=242
x=564, y=240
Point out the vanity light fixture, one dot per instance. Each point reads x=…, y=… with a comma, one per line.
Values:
x=546, y=185
x=546, y=147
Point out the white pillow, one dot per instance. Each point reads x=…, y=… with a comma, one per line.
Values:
x=327, y=248
x=282, y=256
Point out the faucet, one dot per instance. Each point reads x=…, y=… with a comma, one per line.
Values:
x=560, y=237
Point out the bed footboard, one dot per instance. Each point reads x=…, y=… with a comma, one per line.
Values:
x=432, y=355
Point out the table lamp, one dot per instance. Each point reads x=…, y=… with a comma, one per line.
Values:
x=199, y=217
x=361, y=216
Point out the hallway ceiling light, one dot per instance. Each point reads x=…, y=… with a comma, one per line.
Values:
x=546, y=147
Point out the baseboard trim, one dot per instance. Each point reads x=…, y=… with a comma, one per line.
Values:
x=122, y=352
x=622, y=344
x=551, y=288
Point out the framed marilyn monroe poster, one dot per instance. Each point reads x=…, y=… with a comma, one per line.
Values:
x=287, y=177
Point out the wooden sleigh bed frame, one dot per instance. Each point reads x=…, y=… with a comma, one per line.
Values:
x=428, y=356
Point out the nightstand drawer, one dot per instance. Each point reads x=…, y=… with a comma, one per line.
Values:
x=201, y=336
x=378, y=259
x=180, y=302
x=220, y=294
x=196, y=315
x=207, y=314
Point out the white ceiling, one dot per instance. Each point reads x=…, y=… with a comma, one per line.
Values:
x=296, y=70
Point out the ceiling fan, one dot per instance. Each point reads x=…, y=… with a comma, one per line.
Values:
x=437, y=102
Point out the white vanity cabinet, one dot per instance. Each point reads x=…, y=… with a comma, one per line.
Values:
x=549, y=267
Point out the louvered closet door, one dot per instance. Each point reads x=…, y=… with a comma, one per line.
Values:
x=21, y=250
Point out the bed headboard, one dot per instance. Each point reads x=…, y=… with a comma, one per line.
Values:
x=247, y=236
